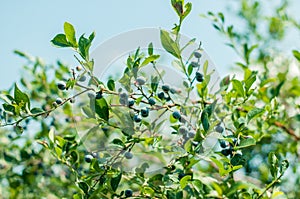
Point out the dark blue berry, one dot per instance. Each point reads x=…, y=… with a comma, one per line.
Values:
x=140, y=81
x=137, y=118
x=58, y=100
x=194, y=64
x=183, y=130
x=130, y=102
x=144, y=112
x=165, y=87
x=61, y=85
x=151, y=101
x=223, y=143
x=176, y=115
x=227, y=152
x=161, y=95
x=128, y=192
x=82, y=78
x=199, y=77
x=88, y=158
x=181, y=175
x=198, y=53
x=99, y=95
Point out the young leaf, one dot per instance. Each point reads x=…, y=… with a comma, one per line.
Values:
x=296, y=54
x=253, y=113
x=101, y=108
x=150, y=49
x=246, y=143
x=169, y=44
x=149, y=59
x=238, y=87
x=205, y=120
x=60, y=40
x=111, y=84
x=21, y=98
x=185, y=181
x=70, y=34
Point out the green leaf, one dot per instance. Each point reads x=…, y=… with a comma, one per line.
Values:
x=249, y=82
x=60, y=40
x=150, y=49
x=205, y=67
x=178, y=7
x=169, y=44
x=149, y=59
x=36, y=110
x=84, y=187
x=284, y=166
x=101, y=108
x=70, y=34
x=238, y=87
x=185, y=181
x=119, y=142
x=188, y=8
x=21, y=98
x=205, y=120
x=253, y=113
x=114, y=182
x=246, y=143
x=111, y=84
x=273, y=161
x=84, y=45
x=296, y=54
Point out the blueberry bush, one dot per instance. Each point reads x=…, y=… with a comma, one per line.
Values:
x=66, y=133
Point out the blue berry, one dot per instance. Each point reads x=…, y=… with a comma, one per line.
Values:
x=165, y=87
x=176, y=115
x=151, y=101
x=128, y=192
x=223, y=143
x=140, y=81
x=128, y=155
x=144, y=112
x=61, y=86
x=227, y=152
x=219, y=129
x=198, y=53
x=191, y=134
x=183, y=130
x=137, y=118
x=161, y=95
x=199, y=77
x=82, y=78
x=99, y=95
x=88, y=158
x=130, y=102
x=58, y=101
x=194, y=64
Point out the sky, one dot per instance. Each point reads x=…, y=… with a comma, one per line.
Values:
x=30, y=25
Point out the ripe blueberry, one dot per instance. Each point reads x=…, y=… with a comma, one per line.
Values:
x=176, y=115
x=151, y=101
x=61, y=85
x=137, y=118
x=161, y=95
x=58, y=101
x=140, y=81
x=144, y=112
x=195, y=64
x=219, y=128
x=72, y=100
x=191, y=134
x=199, y=77
x=88, y=158
x=197, y=53
x=165, y=87
x=99, y=95
x=130, y=102
x=227, y=152
x=128, y=155
x=128, y=192
x=223, y=143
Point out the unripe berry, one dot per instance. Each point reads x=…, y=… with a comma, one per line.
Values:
x=151, y=101
x=88, y=158
x=128, y=193
x=176, y=115
x=61, y=85
x=78, y=68
x=128, y=155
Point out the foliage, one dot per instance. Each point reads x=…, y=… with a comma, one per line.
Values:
x=233, y=143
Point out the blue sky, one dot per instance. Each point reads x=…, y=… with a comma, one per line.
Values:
x=30, y=25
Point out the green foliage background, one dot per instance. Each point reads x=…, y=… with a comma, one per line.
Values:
x=41, y=155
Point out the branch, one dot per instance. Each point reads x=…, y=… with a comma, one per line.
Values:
x=288, y=130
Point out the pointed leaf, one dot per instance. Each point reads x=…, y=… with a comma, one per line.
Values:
x=60, y=40
x=70, y=34
x=101, y=108
x=169, y=44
